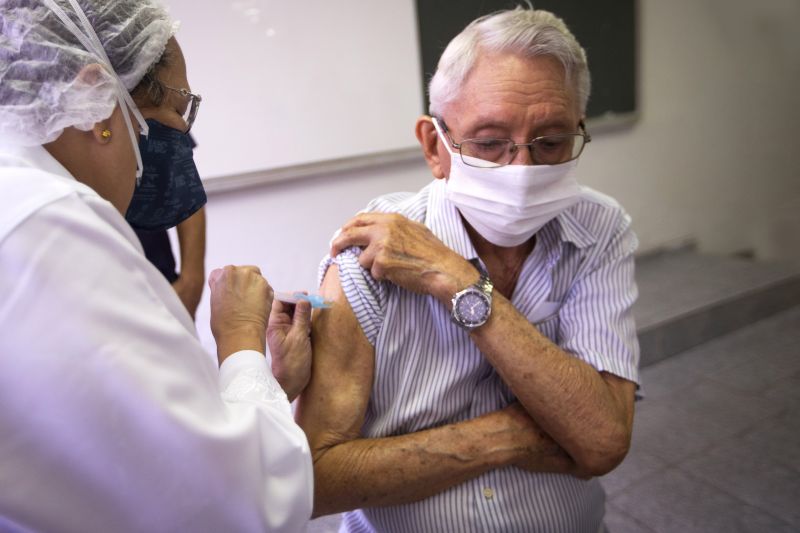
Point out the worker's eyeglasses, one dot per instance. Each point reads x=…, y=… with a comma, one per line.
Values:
x=191, y=110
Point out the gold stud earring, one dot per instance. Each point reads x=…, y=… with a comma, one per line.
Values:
x=105, y=134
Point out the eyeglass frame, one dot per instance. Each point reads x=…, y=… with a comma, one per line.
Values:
x=587, y=138
x=194, y=104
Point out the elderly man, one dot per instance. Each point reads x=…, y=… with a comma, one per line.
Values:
x=479, y=364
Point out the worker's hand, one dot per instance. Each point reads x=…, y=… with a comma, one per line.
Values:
x=289, y=337
x=407, y=254
x=240, y=303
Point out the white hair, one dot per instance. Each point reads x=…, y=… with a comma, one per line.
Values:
x=527, y=32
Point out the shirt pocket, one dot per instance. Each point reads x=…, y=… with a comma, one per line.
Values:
x=544, y=312
x=545, y=318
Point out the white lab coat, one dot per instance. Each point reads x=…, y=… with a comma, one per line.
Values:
x=112, y=416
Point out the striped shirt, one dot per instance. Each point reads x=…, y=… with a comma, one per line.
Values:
x=576, y=287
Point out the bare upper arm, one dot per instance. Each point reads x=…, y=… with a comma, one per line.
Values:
x=331, y=409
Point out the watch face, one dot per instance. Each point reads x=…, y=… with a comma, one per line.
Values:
x=472, y=308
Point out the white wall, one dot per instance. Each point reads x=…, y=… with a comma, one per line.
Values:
x=712, y=158
x=285, y=228
x=302, y=69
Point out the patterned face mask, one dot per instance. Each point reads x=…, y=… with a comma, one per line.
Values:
x=170, y=190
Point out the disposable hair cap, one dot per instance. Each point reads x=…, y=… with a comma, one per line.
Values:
x=45, y=47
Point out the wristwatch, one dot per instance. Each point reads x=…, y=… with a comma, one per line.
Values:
x=473, y=305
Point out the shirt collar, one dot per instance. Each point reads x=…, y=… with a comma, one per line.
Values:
x=35, y=157
x=446, y=223
x=573, y=230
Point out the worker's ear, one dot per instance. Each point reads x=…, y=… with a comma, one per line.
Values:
x=101, y=131
x=429, y=141
x=94, y=74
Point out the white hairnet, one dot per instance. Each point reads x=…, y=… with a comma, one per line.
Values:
x=42, y=90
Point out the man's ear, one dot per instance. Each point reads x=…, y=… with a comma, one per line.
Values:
x=429, y=141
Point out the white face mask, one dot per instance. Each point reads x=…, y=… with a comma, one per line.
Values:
x=508, y=205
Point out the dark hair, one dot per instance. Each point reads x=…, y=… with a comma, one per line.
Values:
x=150, y=88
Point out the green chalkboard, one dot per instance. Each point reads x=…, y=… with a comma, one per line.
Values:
x=606, y=30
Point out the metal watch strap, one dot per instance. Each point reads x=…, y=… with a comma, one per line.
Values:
x=485, y=285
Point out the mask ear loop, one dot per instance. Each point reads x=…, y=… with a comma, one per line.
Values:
x=444, y=139
x=92, y=43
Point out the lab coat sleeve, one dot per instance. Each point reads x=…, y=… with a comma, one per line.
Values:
x=113, y=418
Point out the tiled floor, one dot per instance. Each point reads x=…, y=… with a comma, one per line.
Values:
x=716, y=442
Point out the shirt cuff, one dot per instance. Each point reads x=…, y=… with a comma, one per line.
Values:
x=245, y=377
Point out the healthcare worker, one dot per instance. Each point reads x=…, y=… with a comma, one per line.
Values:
x=112, y=416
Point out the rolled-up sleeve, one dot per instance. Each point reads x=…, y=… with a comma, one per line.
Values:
x=367, y=297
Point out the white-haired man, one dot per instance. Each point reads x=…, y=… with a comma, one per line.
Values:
x=479, y=365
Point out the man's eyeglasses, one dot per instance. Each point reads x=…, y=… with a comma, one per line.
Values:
x=191, y=110
x=487, y=152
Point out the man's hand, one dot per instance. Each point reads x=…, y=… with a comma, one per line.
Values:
x=407, y=254
x=289, y=337
x=240, y=302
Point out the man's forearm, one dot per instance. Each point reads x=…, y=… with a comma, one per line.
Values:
x=407, y=468
x=570, y=400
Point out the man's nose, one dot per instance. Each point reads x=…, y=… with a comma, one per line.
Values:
x=523, y=155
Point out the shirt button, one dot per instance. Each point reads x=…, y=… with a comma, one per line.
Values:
x=488, y=493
